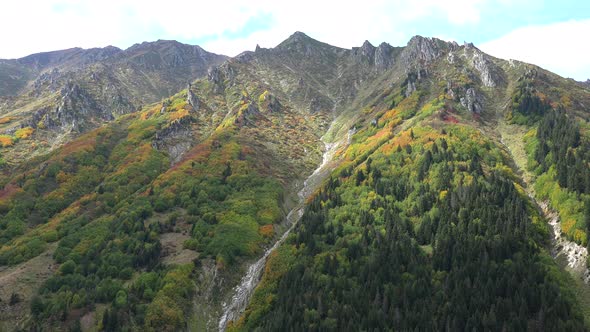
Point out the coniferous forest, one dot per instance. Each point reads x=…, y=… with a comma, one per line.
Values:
x=442, y=240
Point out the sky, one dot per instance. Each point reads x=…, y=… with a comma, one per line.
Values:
x=551, y=34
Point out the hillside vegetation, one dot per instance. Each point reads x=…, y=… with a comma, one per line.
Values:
x=148, y=211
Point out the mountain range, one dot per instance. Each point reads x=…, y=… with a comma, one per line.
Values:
x=300, y=187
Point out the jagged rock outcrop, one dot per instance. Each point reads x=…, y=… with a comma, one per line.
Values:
x=192, y=99
x=410, y=83
x=364, y=54
x=76, y=110
x=451, y=58
x=410, y=88
x=214, y=76
x=381, y=58
x=483, y=65
x=40, y=119
x=472, y=101
x=421, y=51
x=176, y=139
x=77, y=107
x=50, y=78
x=384, y=57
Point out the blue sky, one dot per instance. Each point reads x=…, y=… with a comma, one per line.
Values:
x=552, y=34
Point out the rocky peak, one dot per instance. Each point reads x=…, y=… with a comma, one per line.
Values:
x=384, y=56
x=303, y=44
x=163, y=54
x=72, y=58
x=44, y=59
x=421, y=51
x=381, y=57
x=367, y=49
x=299, y=36
x=364, y=54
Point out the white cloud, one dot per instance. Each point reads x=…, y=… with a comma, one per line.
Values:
x=222, y=26
x=559, y=47
x=42, y=25
x=348, y=24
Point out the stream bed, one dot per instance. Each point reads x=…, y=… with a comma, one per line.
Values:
x=242, y=293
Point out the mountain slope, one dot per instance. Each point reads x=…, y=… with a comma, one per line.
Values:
x=64, y=93
x=422, y=217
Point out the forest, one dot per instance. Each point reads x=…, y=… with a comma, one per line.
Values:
x=428, y=232
x=104, y=201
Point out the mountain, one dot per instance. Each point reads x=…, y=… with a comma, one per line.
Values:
x=303, y=187
x=62, y=94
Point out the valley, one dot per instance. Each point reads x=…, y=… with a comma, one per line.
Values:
x=304, y=187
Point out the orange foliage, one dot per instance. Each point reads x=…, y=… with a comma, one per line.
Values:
x=148, y=114
x=178, y=115
x=267, y=231
x=542, y=96
x=402, y=139
x=84, y=143
x=391, y=114
x=199, y=153
x=6, y=140
x=381, y=134
x=8, y=191
x=6, y=119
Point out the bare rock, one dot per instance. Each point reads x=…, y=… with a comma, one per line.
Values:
x=384, y=58
x=472, y=101
x=176, y=139
x=192, y=99
x=487, y=70
x=364, y=54
x=410, y=88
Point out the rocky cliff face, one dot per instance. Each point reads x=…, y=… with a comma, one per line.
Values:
x=472, y=101
x=421, y=51
x=176, y=138
x=482, y=63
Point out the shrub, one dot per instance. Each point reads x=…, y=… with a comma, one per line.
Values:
x=6, y=140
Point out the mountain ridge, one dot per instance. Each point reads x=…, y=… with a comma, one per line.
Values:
x=148, y=215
